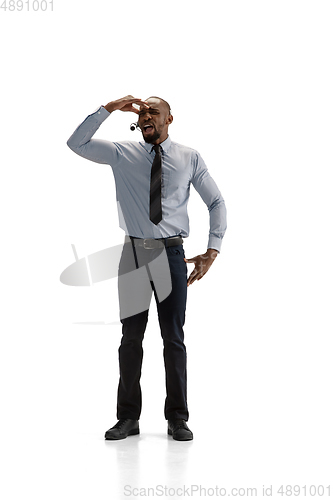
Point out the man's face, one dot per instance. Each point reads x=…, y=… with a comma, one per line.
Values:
x=154, y=122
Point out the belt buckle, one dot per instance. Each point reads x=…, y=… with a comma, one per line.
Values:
x=146, y=245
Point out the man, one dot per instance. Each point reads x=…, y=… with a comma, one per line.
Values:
x=153, y=180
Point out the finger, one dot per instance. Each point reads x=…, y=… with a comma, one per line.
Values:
x=144, y=104
x=190, y=260
x=135, y=110
x=134, y=106
x=193, y=276
x=191, y=280
x=138, y=107
x=197, y=274
x=140, y=103
x=137, y=100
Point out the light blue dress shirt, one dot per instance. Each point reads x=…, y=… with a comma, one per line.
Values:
x=131, y=164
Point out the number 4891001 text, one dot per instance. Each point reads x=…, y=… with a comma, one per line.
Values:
x=28, y=5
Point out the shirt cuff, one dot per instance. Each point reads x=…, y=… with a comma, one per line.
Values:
x=215, y=243
x=100, y=114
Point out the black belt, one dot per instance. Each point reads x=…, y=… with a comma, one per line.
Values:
x=150, y=243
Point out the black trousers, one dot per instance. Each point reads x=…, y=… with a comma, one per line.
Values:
x=171, y=315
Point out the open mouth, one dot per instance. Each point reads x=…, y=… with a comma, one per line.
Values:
x=148, y=128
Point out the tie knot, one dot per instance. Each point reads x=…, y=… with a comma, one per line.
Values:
x=157, y=148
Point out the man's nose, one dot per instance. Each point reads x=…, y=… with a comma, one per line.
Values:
x=146, y=116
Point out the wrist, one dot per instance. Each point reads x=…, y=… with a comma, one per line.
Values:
x=110, y=107
x=212, y=253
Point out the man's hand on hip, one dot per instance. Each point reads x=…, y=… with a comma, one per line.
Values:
x=126, y=104
x=202, y=264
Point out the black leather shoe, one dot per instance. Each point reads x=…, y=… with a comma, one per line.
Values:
x=123, y=428
x=178, y=429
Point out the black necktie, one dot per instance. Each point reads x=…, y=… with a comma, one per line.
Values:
x=155, y=213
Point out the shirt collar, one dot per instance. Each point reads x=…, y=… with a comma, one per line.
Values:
x=164, y=145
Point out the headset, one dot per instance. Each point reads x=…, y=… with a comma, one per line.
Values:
x=134, y=126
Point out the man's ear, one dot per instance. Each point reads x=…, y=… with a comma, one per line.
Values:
x=169, y=119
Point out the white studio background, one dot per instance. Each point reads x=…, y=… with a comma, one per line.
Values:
x=250, y=86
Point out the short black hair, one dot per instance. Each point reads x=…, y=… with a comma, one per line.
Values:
x=160, y=98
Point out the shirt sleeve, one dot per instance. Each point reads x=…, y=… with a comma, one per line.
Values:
x=97, y=150
x=210, y=194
